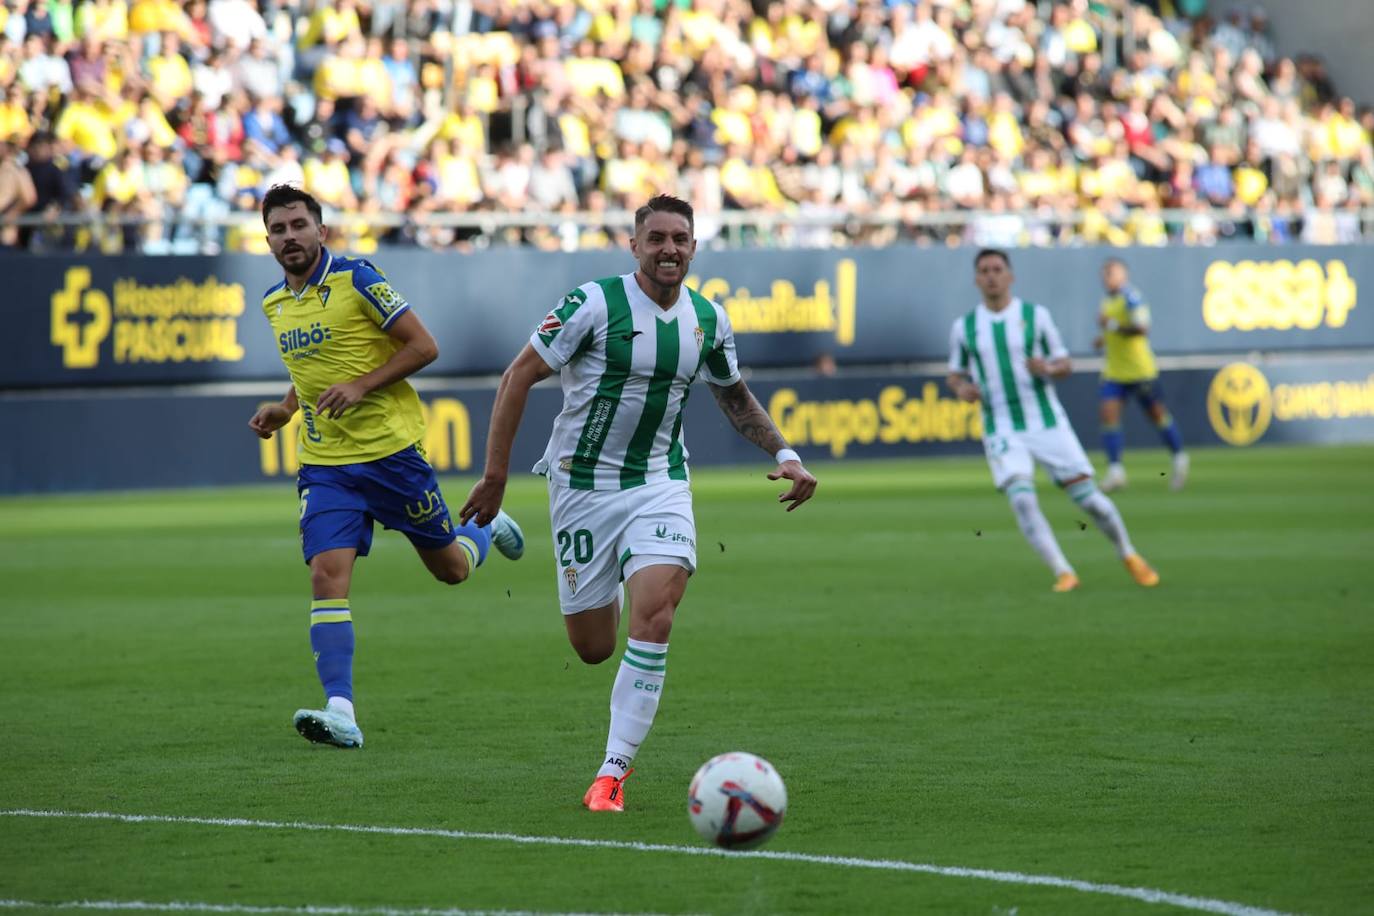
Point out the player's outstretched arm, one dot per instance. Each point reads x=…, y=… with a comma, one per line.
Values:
x=520, y=376
x=272, y=417
x=417, y=350
x=751, y=421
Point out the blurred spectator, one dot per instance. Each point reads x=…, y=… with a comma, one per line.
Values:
x=991, y=120
x=17, y=194
x=257, y=72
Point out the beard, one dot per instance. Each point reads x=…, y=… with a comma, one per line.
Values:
x=297, y=259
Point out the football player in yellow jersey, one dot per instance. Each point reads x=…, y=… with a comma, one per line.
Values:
x=349, y=341
x=1129, y=369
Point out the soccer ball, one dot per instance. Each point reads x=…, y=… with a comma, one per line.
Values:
x=736, y=800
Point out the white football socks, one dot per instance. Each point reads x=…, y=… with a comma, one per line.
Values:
x=634, y=701
x=341, y=706
x=1036, y=527
x=1104, y=513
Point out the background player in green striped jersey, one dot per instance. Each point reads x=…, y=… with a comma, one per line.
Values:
x=627, y=350
x=1015, y=352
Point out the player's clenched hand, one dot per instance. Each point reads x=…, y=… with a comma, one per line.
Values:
x=969, y=392
x=338, y=398
x=1038, y=367
x=803, y=484
x=483, y=502
x=269, y=419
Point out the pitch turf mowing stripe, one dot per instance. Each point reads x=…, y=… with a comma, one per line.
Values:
x=1145, y=894
x=189, y=906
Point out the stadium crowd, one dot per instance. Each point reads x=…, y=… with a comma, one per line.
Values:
x=995, y=122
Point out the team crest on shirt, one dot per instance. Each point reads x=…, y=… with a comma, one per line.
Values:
x=700, y=335
x=551, y=324
x=324, y=296
x=571, y=575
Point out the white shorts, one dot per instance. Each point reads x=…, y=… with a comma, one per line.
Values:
x=602, y=537
x=1016, y=454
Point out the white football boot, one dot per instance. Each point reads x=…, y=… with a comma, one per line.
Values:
x=326, y=726
x=1180, y=475
x=507, y=536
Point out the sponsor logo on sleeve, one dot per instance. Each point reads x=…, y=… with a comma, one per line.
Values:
x=387, y=299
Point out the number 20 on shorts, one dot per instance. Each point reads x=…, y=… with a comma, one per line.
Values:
x=579, y=543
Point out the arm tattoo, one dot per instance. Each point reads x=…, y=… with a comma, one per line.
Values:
x=748, y=417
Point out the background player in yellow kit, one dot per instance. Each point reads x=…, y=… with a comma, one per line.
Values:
x=1129, y=370
x=349, y=341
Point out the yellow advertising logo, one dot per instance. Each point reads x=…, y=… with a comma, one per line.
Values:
x=1240, y=404
x=1277, y=295
x=80, y=320
x=784, y=310
x=176, y=322
x=891, y=418
x=1340, y=400
x=447, y=445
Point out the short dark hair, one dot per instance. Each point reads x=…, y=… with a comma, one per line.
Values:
x=665, y=203
x=991, y=253
x=284, y=195
x=1115, y=262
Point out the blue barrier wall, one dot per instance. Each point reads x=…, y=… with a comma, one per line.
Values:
x=55, y=441
x=92, y=321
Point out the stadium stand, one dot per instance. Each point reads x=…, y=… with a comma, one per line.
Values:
x=157, y=125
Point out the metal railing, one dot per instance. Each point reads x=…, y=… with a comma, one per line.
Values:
x=808, y=228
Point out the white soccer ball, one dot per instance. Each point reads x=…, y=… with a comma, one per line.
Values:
x=736, y=800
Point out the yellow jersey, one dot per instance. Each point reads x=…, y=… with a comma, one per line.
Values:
x=334, y=331
x=1128, y=356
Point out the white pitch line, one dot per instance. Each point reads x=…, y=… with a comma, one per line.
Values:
x=183, y=906
x=1144, y=894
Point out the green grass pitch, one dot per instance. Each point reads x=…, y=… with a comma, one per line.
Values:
x=893, y=648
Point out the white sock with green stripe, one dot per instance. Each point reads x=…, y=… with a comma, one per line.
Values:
x=634, y=701
x=1104, y=513
x=1035, y=526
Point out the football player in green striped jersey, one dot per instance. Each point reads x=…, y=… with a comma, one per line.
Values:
x=1007, y=353
x=627, y=350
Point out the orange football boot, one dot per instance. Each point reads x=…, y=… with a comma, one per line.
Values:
x=607, y=793
x=1141, y=571
x=1066, y=582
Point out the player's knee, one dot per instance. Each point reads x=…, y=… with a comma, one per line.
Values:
x=655, y=623
x=326, y=582
x=594, y=651
x=451, y=573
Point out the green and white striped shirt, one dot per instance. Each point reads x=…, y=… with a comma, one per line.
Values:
x=993, y=348
x=627, y=367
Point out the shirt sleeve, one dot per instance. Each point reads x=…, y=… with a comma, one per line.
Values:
x=722, y=366
x=381, y=301
x=1050, y=341
x=958, y=348
x=566, y=330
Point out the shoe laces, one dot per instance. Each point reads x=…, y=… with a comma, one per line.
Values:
x=615, y=789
